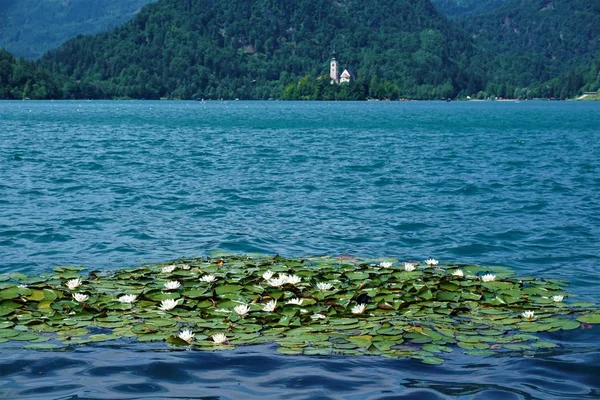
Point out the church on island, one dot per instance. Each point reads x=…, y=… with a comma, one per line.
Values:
x=334, y=74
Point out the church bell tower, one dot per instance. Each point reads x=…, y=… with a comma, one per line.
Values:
x=333, y=70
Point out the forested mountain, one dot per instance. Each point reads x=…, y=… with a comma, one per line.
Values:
x=259, y=49
x=530, y=42
x=29, y=28
x=252, y=49
x=20, y=79
x=456, y=8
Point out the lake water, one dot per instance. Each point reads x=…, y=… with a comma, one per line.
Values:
x=118, y=184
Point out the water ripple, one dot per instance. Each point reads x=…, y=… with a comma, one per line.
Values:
x=257, y=372
x=115, y=184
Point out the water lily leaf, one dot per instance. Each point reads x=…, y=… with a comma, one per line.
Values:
x=590, y=318
x=426, y=294
x=74, y=332
x=196, y=293
x=361, y=340
x=14, y=293
x=343, y=321
x=419, y=339
x=290, y=351
x=432, y=360
x=567, y=325
x=469, y=339
x=160, y=322
x=6, y=324
x=8, y=333
x=25, y=336
x=152, y=337
x=472, y=346
x=495, y=286
x=446, y=296
x=40, y=339
x=449, y=286
x=174, y=340
x=470, y=296
x=36, y=295
x=544, y=345
x=5, y=311
x=357, y=276
x=434, y=348
x=146, y=328
x=317, y=352
x=220, y=290
x=534, y=327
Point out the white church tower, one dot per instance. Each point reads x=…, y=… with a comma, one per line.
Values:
x=333, y=70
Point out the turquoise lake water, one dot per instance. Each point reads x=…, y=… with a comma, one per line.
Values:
x=118, y=184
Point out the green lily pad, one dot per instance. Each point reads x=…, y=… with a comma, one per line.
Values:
x=590, y=318
x=408, y=314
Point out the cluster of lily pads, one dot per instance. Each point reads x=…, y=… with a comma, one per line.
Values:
x=312, y=306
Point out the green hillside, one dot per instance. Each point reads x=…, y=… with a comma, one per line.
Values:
x=264, y=49
x=20, y=79
x=253, y=49
x=530, y=42
x=29, y=28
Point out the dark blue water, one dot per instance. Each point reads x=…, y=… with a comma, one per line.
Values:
x=118, y=184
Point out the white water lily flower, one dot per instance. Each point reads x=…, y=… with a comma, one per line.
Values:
x=488, y=277
x=558, y=298
x=168, y=304
x=128, y=298
x=280, y=281
x=318, y=316
x=431, y=261
x=323, y=286
x=219, y=338
x=528, y=314
x=186, y=335
x=458, y=272
x=409, y=266
x=168, y=269
x=359, y=309
x=385, y=264
x=73, y=283
x=172, y=285
x=185, y=266
x=208, y=278
x=270, y=306
x=242, y=310
x=80, y=297
x=294, y=279
x=267, y=275
x=296, y=301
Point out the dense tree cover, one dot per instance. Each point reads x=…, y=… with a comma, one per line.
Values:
x=254, y=49
x=456, y=8
x=526, y=44
x=263, y=49
x=29, y=28
x=585, y=78
x=20, y=79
